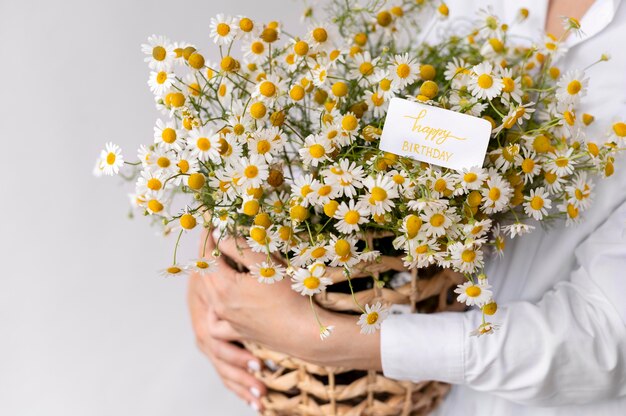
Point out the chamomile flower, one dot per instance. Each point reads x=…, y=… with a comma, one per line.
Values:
x=150, y=180
x=496, y=194
x=269, y=88
x=572, y=214
x=404, y=70
x=343, y=251
x=561, y=162
x=111, y=159
x=223, y=29
x=464, y=103
x=436, y=221
x=267, y=272
x=315, y=150
x=350, y=216
x=255, y=50
x=347, y=175
x=376, y=102
x=507, y=156
x=484, y=84
x=485, y=329
x=320, y=38
x=475, y=230
x=310, y=281
x=466, y=258
x=372, y=318
x=537, y=203
x=457, y=72
x=473, y=294
x=380, y=195
x=262, y=240
x=530, y=165
x=517, y=228
x=202, y=266
x=326, y=331
x=421, y=252
x=252, y=170
x=571, y=87
x=204, y=144
x=511, y=87
x=302, y=189
x=167, y=135
x=175, y=270
x=160, y=82
x=365, y=68
x=267, y=143
x=579, y=192
x=320, y=74
x=323, y=193
x=160, y=52
x=470, y=180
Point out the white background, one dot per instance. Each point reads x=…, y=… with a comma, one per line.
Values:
x=87, y=327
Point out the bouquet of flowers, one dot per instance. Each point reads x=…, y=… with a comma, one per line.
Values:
x=278, y=142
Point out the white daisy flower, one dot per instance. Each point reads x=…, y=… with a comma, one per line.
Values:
x=111, y=159
x=320, y=74
x=315, y=150
x=348, y=176
x=160, y=52
x=436, y=221
x=579, y=192
x=552, y=182
x=380, y=195
x=422, y=252
x=161, y=82
x=372, y=318
x=470, y=180
x=467, y=104
x=561, y=162
x=571, y=87
x=167, y=135
x=484, y=84
x=386, y=87
x=320, y=38
x=262, y=240
x=311, y=280
x=485, y=329
x=537, y=203
x=365, y=68
x=267, y=272
x=269, y=88
x=175, y=270
x=150, y=180
x=323, y=193
x=511, y=87
x=404, y=70
x=326, y=331
x=376, y=102
x=496, y=195
x=223, y=29
x=473, y=294
x=255, y=50
x=458, y=72
x=466, y=258
x=477, y=229
x=530, y=165
x=517, y=228
x=350, y=216
x=507, y=156
x=572, y=214
x=343, y=251
x=267, y=143
x=204, y=144
x=202, y=266
x=253, y=171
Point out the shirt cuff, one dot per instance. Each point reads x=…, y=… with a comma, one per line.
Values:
x=419, y=347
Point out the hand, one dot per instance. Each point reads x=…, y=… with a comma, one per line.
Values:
x=281, y=319
x=213, y=338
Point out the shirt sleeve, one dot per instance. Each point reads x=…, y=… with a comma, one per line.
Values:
x=568, y=348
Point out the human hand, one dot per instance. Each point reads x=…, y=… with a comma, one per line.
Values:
x=214, y=336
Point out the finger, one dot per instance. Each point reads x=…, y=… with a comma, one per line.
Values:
x=244, y=394
x=238, y=250
x=234, y=355
x=221, y=329
x=241, y=377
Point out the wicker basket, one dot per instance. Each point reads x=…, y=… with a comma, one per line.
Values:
x=298, y=388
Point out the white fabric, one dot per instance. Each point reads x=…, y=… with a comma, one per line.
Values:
x=562, y=345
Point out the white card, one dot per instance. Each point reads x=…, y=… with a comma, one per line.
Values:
x=434, y=135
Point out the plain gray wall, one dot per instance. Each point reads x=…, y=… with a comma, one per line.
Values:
x=87, y=327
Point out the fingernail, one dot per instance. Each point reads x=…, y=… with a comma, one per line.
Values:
x=254, y=406
x=254, y=365
x=255, y=392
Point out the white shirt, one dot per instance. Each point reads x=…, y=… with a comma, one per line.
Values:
x=561, y=349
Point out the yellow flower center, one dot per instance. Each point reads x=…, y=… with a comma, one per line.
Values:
x=574, y=87
x=366, y=68
x=572, y=211
x=196, y=181
x=485, y=81
x=561, y=161
x=340, y=89
x=349, y=122
x=437, y=220
x=183, y=166
x=155, y=206
x=154, y=184
x=202, y=264
x=223, y=29
x=413, y=225
x=267, y=88
x=263, y=146
x=372, y=318
x=159, y=53
x=257, y=48
x=440, y=185
x=468, y=256
x=385, y=84
x=342, y=248
x=324, y=190
x=620, y=129
x=470, y=177
x=318, y=252
x=320, y=35
x=168, y=135
x=473, y=291
x=301, y=48
x=163, y=162
x=403, y=70
x=311, y=282
x=161, y=77
x=379, y=194
x=509, y=84
x=317, y=151
x=251, y=171
x=422, y=249
x=377, y=100
x=352, y=217
x=258, y=234
x=267, y=272
x=111, y=158
x=528, y=165
x=536, y=202
x=187, y=221
x=203, y=144
x=494, y=194
x=174, y=270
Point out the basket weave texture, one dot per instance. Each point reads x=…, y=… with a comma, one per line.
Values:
x=298, y=388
